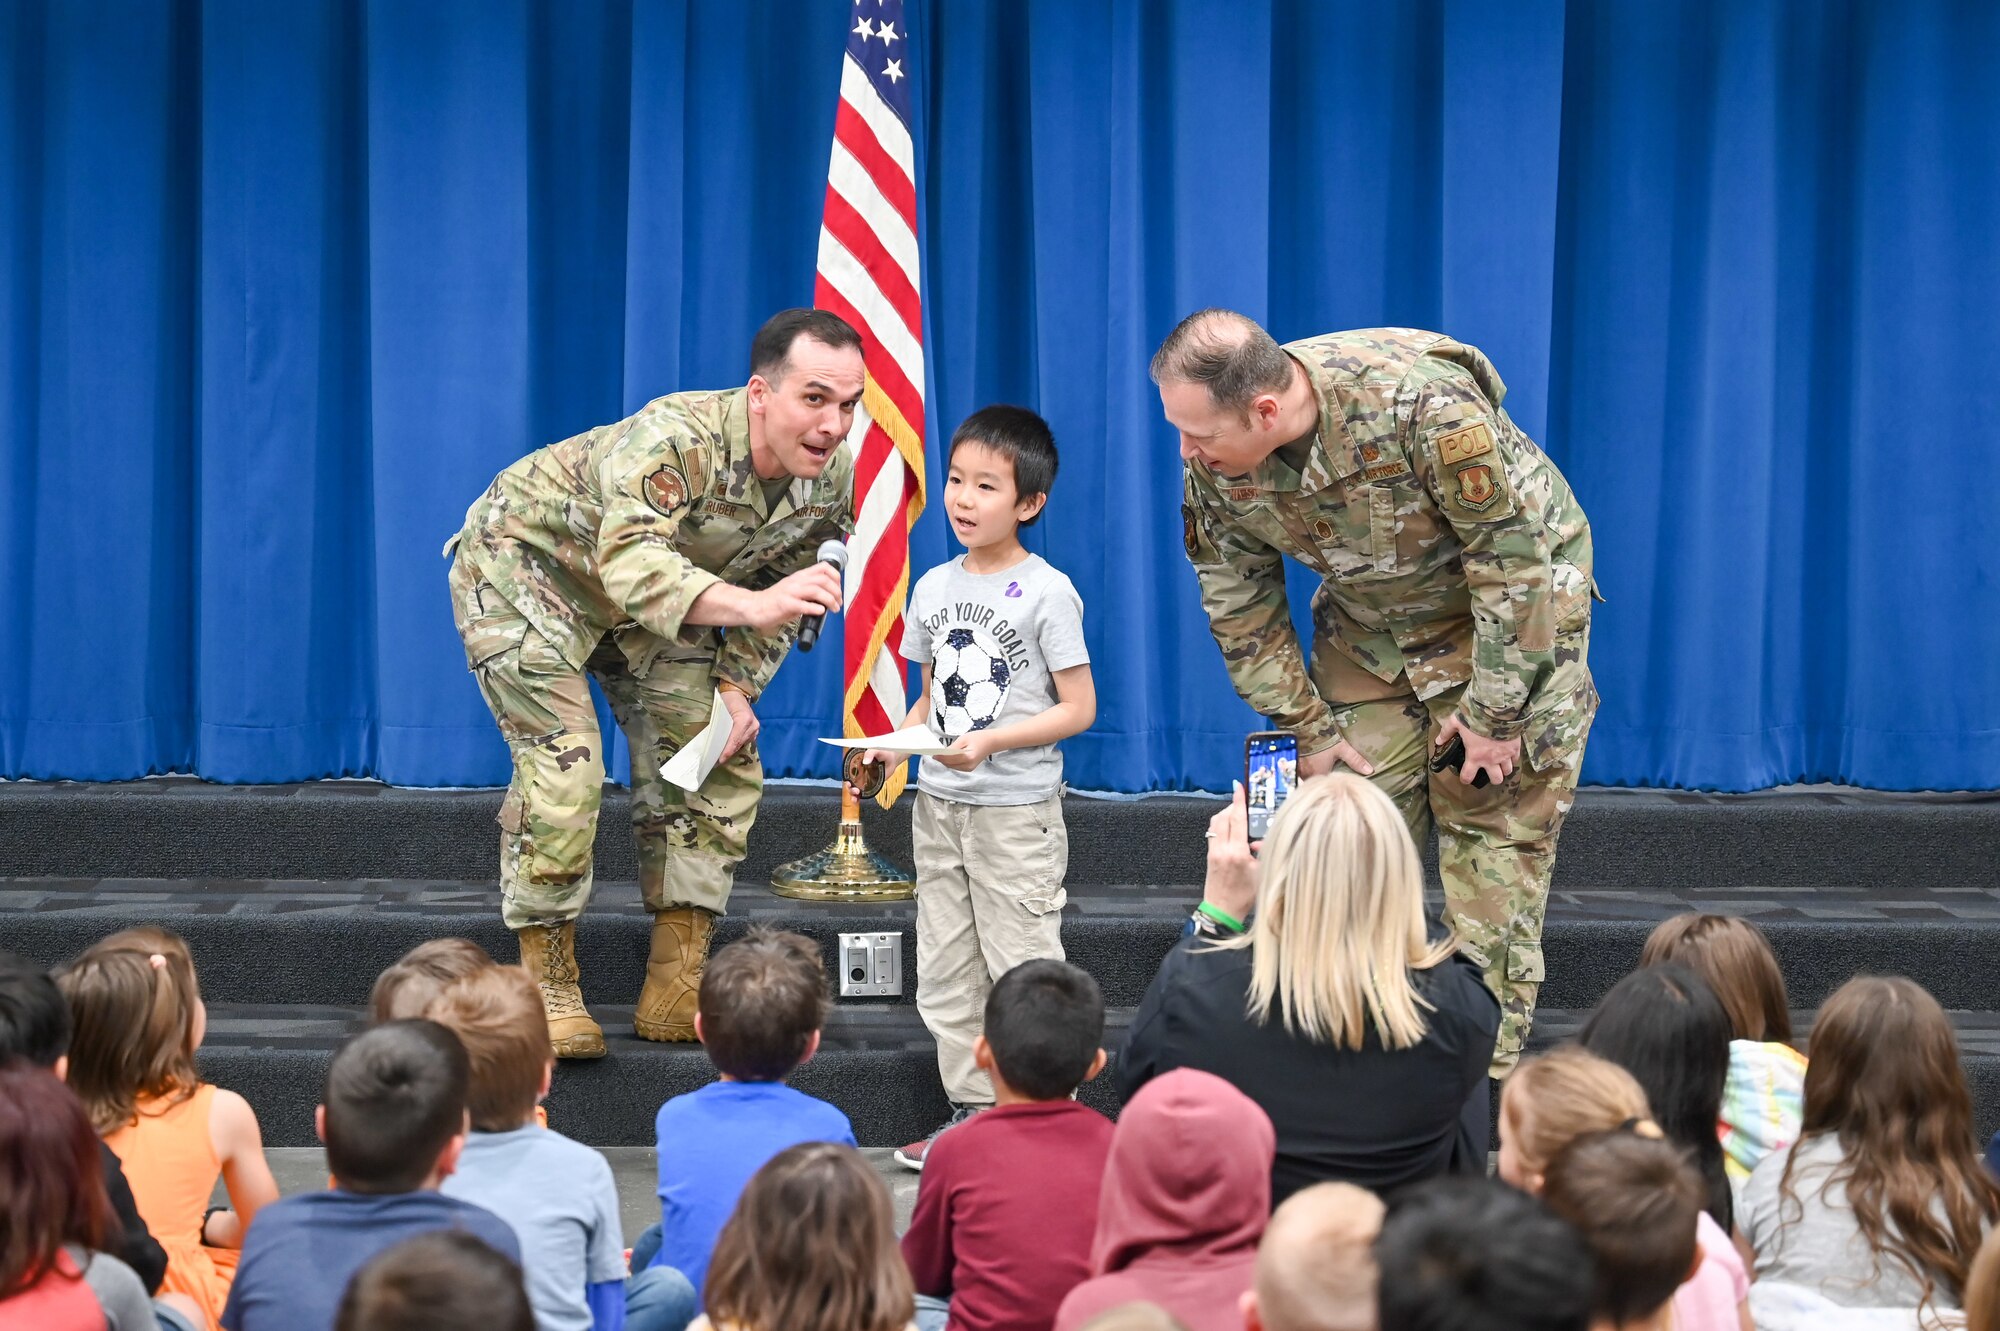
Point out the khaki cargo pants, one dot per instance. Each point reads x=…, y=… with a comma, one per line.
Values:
x=989, y=897
x=1496, y=845
x=689, y=843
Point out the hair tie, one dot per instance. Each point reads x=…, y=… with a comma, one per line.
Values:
x=1643, y=1127
x=158, y=962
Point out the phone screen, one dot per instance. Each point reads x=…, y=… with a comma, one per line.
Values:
x=1270, y=770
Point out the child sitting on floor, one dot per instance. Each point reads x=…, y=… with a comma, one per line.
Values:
x=394, y=1122
x=1763, y=1096
x=558, y=1195
x=762, y=1003
x=1008, y=1204
x=138, y=1020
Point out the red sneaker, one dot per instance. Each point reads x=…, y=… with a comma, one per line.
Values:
x=912, y=1156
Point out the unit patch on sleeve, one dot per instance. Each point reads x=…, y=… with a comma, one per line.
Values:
x=1475, y=486
x=1468, y=441
x=666, y=490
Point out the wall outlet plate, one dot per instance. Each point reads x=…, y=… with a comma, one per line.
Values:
x=871, y=965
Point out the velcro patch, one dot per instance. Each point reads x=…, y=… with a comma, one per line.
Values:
x=1468, y=441
x=1475, y=486
x=666, y=491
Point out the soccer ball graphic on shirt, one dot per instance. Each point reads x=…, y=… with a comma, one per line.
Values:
x=969, y=678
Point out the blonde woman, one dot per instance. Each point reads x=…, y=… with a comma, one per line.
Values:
x=1362, y=1034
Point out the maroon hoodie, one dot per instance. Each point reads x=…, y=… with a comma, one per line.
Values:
x=1186, y=1193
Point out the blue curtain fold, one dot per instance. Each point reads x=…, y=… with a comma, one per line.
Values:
x=282, y=286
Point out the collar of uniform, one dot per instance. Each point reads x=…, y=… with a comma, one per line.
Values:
x=740, y=470
x=1334, y=456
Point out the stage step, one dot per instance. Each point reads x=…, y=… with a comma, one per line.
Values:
x=177, y=827
x=280, y=941
x=876, y=1062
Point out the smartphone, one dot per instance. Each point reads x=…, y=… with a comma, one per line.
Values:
x=1270, y=770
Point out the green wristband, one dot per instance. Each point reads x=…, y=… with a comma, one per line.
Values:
x=1220, y=916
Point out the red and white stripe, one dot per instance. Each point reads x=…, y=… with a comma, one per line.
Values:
x=868, y=274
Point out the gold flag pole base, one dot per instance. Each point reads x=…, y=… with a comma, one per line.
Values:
x=845, y=871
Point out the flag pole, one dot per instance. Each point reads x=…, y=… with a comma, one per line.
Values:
x=846, y=870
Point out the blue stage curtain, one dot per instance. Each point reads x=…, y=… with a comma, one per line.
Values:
x=282, y=286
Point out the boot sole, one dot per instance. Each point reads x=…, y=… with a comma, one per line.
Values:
x=581, y=1046
x=665, y=1034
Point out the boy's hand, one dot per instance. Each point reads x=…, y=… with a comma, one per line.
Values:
x=871, y=757
x=973, y=748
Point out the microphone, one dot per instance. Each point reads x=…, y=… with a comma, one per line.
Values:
x=830, y=552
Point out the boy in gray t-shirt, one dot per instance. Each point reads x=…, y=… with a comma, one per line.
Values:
x=999, y=634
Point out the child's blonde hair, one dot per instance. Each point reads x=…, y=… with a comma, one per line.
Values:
x=1552, y=1100
x=133, y=999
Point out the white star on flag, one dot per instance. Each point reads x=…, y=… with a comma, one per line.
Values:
x=893, y=71
x=887, y=32
x=864, y=27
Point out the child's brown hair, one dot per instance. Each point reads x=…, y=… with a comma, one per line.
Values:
x=420, y=975
x=1637, y=1202
x=761, y=1000
x=811, y=1247
x=496, y=1013
x=135, y=1003
x=1736, y=959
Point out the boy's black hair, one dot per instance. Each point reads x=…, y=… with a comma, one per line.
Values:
x=1044, y=1023
x=771, y=348
x=1020, y=436
x=761, y=999
x=395, y=1095
x=34, y=1018
x=1472, y=1254
x=446, y=1281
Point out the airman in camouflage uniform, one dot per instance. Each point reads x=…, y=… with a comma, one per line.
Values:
x=1456, y=597
x=668, y=556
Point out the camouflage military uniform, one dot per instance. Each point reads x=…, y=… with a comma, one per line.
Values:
x=583, y=558
x=1457, y=578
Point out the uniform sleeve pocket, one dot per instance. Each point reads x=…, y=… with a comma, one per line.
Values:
x=512, y=816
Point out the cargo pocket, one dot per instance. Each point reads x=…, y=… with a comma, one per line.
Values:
x=1524, y=962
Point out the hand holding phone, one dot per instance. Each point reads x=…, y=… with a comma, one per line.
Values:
x=1453, y=756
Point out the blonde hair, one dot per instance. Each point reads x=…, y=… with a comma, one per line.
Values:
x=497, y=1014
x=133, y=998
x=1552, y=1100
x=1339, y=923
x=1316, y=1264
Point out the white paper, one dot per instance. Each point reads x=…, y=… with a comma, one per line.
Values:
x=698, y=757
x=915, y=740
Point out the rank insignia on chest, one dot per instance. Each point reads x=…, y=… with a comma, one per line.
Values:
x=1322, y=529
x=666, y=490
x=1468, y=441
x=1475, y=486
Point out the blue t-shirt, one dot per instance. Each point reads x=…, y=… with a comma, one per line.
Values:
x=563, y=1205
x=711, y=1141
x=302, y=1251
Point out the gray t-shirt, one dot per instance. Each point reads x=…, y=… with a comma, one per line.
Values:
x=993, y=641
x=1815, y=1241
x=560, y=1198
x=120, y=1294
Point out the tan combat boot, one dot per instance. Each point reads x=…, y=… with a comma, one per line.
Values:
x=673, y=973
x=548, y=952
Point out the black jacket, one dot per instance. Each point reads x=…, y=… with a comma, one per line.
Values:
x=1372, y=1116
x=133, y=1244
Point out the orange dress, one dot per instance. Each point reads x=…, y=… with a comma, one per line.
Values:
x=169, y=1159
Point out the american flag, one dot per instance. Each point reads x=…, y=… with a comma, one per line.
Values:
x=868, y=275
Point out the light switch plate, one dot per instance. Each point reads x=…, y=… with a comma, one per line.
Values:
x=871, y=965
